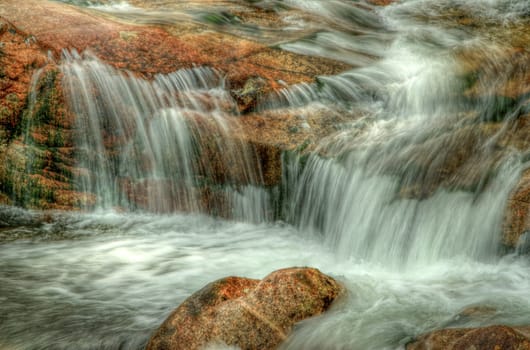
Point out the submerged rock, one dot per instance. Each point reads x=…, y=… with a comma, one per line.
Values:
x=492, y=337
x=247, y=313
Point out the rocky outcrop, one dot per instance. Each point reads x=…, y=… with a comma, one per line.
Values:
x=36, y=137
x=247, y=313
x=37, y=131
x=149, y=50
x=492, y=337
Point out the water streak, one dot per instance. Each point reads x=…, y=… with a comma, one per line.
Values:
x=395, y=188
x=160, y=145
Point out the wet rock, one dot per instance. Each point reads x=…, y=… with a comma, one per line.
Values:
x=517, y=217
x=492, y=337
x=247, y=97
x=34, y=126
x=150, y=50
x=247, y=313
x=37, y=164
x=12, y=217
x=381, y=2
x=18, y=62
x=477, y=313
x=37, y=138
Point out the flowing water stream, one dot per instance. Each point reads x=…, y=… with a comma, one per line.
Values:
x=373, y=205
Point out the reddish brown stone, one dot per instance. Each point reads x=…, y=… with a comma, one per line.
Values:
x=247, y=313
x=517, y=217
x=485, y=338
x=381, y=2
x=19, y=58
x=150, y=50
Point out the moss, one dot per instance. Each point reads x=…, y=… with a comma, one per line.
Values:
x=4, y=114
x=47, y=102
x=501, y=108
x=12, y=98
x=55, y=138
x=300, y=149
x=32, y=169
x=222, y=18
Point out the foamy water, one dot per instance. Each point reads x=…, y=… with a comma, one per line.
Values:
x=105, y=281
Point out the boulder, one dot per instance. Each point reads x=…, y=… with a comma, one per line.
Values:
x=484, y=338
x=247, y=313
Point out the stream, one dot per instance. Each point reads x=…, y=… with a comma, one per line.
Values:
x=371, y=205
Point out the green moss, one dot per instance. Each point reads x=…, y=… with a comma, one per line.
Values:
x=19, y=180
x=12, y=98
x=46, y=104
x=55, y=138
x=4, y=113
x=222, y=18
x=303, y=146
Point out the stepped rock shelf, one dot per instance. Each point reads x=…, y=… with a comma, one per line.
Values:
x=216, y=84
x=38, y=125
x=38, y=129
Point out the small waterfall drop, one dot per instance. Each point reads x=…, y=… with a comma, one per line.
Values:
x=162, y=145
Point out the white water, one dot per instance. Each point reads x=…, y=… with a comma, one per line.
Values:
x=101, y=281
x=151, y=144
x=411, y=263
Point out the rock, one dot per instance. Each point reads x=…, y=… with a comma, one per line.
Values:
x=247, y=313
x=517, y=217
x=36, y=141
x=484, y=338
x=149, y=50
x=248, y=96
x=476, y=313
x=381, y=2
x=45, y=130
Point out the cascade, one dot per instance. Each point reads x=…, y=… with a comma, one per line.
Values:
x=393, y=187
x=404, y=202
x=160, y=145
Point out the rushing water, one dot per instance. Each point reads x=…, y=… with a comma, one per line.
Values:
x=157, y=143
x=372, y=206
x=105, y=281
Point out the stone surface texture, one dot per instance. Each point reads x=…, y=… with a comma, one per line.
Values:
x=247, y=313
x=37, y=132
x=484, y=338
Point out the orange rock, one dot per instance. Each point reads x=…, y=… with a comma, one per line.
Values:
x=517, y=217
x=247, y=313
x=485, y=338
x=149, y=50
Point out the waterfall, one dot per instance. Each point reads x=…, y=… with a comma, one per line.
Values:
x=162, y=145
x=417, y=179
x=413, y=179
x=403, y=201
